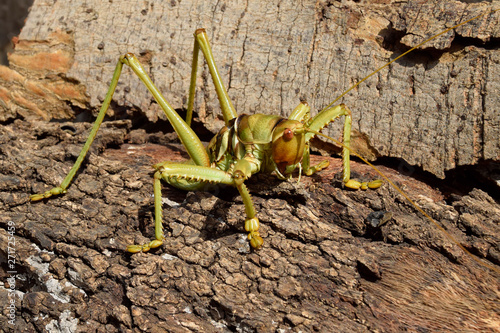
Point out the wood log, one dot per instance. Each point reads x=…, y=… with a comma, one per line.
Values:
x=325, y=264
x=328, y=262
x=435, y=108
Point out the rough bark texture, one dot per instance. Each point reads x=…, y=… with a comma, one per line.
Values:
x=323, y=266
x=437, y=108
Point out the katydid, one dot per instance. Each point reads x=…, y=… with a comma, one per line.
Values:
x=247, y=144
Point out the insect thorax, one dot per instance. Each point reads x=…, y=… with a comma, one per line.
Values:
x=244, y=135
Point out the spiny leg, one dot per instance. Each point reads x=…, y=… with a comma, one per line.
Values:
x=178, y=174
x=302, y=113
x=190, y=140
x=158, y=241
x=201, y=42
x=321, y=120
x=100, y=117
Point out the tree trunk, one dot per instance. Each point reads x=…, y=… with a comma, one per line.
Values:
x=323, y=267
x=434, y=108
x=333, y=259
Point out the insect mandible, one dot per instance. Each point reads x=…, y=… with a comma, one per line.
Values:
x=244, y=146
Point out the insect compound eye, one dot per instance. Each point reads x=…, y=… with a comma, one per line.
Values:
x=287, y=134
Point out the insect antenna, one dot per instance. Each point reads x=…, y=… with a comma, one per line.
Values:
x=405, y=53
x=383, y=175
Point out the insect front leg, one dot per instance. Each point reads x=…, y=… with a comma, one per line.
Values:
x=317, y=123
x=302, y=113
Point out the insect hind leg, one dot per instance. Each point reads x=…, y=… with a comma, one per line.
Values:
x=201, y=42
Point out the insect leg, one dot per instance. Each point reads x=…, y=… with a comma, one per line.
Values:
x=100, y=117
x=242, y=171
x=201, y=42
x=189, y=139
x=191, y=175
x=327, y=116
x=195, y=175
x=158, y=241
x=192, y=82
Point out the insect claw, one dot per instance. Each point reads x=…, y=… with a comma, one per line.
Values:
x=255, y=240
x=37, y=197
x=146, y=247
x=252, y=225
x=353, y=184
x=134, y=248
x=375, y=183
x=47, y=194
x=356, y=185
x=155, y=243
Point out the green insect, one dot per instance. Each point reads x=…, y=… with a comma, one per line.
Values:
x=244, y=146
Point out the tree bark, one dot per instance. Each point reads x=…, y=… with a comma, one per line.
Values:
x=323, y=267
x=333, y=259
x=435, y=108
